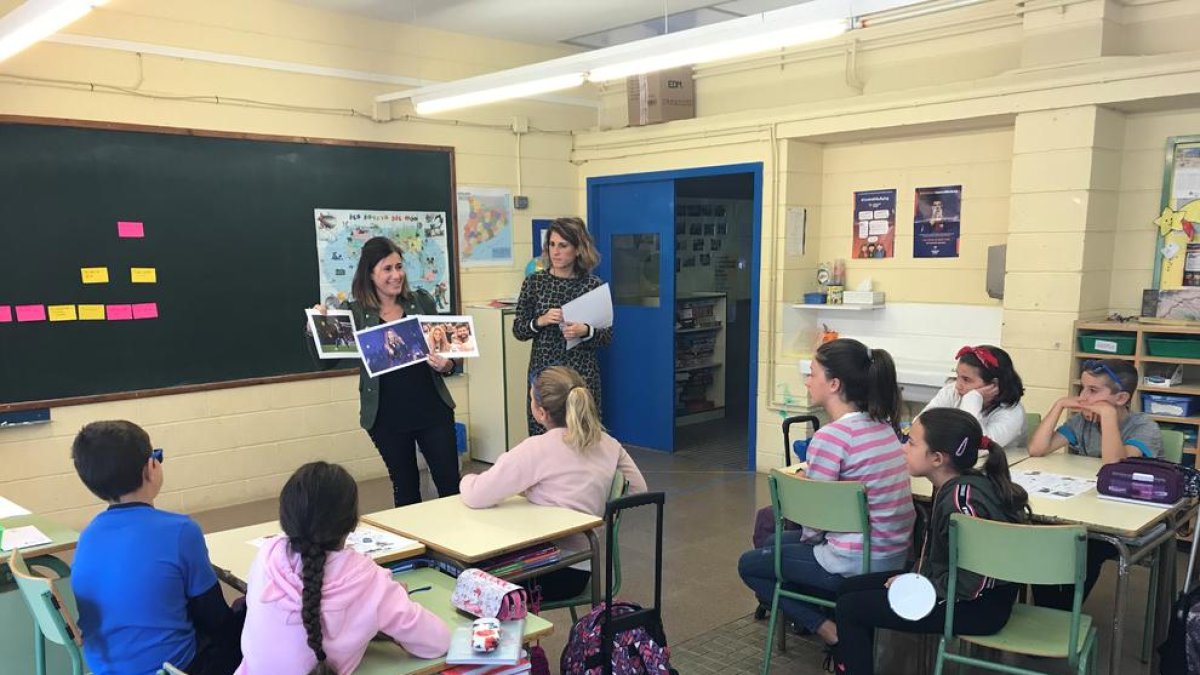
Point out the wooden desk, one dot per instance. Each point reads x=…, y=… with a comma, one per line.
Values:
x=466, y=535
x=388, y=658
x=62, y=538
x=231, y=552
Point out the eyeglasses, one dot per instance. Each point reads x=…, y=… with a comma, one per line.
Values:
x=157, y=454
x=1097, y=366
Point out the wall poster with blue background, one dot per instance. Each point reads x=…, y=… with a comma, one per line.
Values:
x=936, y=222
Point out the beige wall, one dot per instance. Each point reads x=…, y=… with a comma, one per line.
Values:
x=236, y=445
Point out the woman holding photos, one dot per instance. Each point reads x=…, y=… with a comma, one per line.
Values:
x=568, y=259
x=411, y=406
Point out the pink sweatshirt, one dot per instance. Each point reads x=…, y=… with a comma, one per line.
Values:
x=551, y=473
x=358, y=600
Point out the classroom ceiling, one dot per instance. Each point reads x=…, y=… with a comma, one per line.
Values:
x=583, y=23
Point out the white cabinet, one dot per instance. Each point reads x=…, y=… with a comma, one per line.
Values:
x=497, y=385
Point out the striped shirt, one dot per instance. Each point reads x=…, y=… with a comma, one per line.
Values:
x=857, y=448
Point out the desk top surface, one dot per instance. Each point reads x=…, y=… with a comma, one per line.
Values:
x=469, y=535
x=63, y=538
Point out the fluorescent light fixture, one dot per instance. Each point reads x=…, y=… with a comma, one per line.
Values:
x=726, y=49
x=436, y=102
x=806, y=22
x=38, y=19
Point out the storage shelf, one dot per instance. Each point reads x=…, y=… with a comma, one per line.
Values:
x=687, y=369
x=839, y=308
x=1111, y=326
x=1168, y=359
x=681, y=331
x=1116, y=357
x=1181, y=389
x=1192, y=421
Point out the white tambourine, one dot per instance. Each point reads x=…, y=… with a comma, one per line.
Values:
x=912, y=596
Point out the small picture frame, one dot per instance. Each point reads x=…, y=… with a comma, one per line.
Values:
x=450, y=336
x=333, y=333
x=392, y=346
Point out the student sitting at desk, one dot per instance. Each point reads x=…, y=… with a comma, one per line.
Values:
x=987, y=385
x=314, y=605
x=1104, y=427
x=944, y=446
x=146, y=590
x=857, y=386
x=571, y=465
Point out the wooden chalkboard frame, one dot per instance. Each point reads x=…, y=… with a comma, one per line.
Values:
x=455, y=297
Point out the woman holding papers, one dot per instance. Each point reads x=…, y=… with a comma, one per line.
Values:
x=410, y=407
x=567, y=260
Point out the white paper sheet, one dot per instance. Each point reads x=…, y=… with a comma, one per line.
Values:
x=593, y=308
x=9, y=509
x=366, y=540
x=23, y=537
x=1052, y=485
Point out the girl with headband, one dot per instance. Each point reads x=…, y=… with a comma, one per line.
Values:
x=943, y=446
x=987, y=386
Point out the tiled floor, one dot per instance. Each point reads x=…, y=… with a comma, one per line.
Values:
x=710, y=506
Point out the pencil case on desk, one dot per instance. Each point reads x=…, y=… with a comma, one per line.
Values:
x=484, y=595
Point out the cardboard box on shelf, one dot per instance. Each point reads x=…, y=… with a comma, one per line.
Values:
x=661, y=97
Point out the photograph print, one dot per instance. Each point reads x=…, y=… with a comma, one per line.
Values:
x=450, y=336
x=392, y=346
x=333, y=333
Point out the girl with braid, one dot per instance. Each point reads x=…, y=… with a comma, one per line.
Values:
x=314, y=605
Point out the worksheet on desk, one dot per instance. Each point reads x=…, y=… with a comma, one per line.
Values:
x=366, y=540
x=1052, y=485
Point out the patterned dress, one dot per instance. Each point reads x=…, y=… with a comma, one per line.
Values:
x=543, y=291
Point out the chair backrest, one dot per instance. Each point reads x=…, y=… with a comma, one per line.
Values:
x=618, y=489
x=832, y=506
x=1173, y=445
x=49, y=609
x=1003, y=550
x=1032, y=420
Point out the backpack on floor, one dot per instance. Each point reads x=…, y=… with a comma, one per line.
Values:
x=634, y=651
x=1179, y=654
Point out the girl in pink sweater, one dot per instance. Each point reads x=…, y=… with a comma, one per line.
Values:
x=311, y=604
x=571, y=465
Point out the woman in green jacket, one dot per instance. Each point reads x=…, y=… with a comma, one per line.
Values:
x=409, y=407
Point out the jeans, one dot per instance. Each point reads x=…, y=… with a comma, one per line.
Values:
x=801, y=572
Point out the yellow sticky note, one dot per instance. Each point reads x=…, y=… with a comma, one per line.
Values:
x=94, y=275
x=62, y=312
x=143, y=275
x=91, y=312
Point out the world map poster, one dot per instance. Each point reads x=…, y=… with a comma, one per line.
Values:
x=485, y=227
x=421, y=235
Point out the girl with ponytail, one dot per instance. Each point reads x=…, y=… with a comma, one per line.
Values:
x=571, y=465
x=944, y=446
x=314, y=605
x=857, y=388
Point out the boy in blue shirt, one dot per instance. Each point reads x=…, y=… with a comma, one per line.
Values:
x=1103, y=427
x=146, y=590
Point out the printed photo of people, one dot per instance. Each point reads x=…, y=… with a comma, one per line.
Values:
x=450, y=336
x=333, y=333
x=392, y=346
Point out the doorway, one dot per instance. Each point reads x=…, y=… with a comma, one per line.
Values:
x=682, y=250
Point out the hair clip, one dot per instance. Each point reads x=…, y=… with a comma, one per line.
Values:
x=985, y=356
x=962, y=447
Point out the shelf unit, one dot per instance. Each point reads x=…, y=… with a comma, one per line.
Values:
x=1142, y=358
x=838, y=308
x=699, y=357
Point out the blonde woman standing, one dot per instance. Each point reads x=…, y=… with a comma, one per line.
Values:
x=568, y=260
x=571, y=465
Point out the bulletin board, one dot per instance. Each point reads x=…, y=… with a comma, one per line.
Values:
x=1178, y=223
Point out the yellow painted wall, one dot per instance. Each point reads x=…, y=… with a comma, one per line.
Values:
x=237, y=445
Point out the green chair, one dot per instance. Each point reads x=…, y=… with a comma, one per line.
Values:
x=832, y=506
x=1003, y=551
x=1172, y=445
x=618, y=488
x=52, y=618
x=1032, y=420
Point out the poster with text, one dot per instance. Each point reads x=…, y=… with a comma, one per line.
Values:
x=874, y=224
x=936, y=226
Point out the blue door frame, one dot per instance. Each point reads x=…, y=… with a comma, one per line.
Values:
x=600, y=229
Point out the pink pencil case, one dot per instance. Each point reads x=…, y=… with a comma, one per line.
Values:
x=484, y=595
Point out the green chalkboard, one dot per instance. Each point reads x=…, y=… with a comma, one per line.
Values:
x=229, y=227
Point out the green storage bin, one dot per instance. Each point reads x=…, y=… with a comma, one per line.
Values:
x=1176, y=348
x=1108, y=343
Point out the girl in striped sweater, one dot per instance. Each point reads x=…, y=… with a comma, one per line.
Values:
x=857, y=387
x=943, y=446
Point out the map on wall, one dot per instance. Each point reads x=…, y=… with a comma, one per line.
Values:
x=422, y=235
x=485, y=227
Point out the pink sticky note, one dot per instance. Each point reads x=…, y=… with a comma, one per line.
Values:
x=119, y=312
x=31, y=312
x=5, y=314
x=146, y=310
x=130, y=230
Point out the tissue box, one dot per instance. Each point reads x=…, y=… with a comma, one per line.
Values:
x=862, y=297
